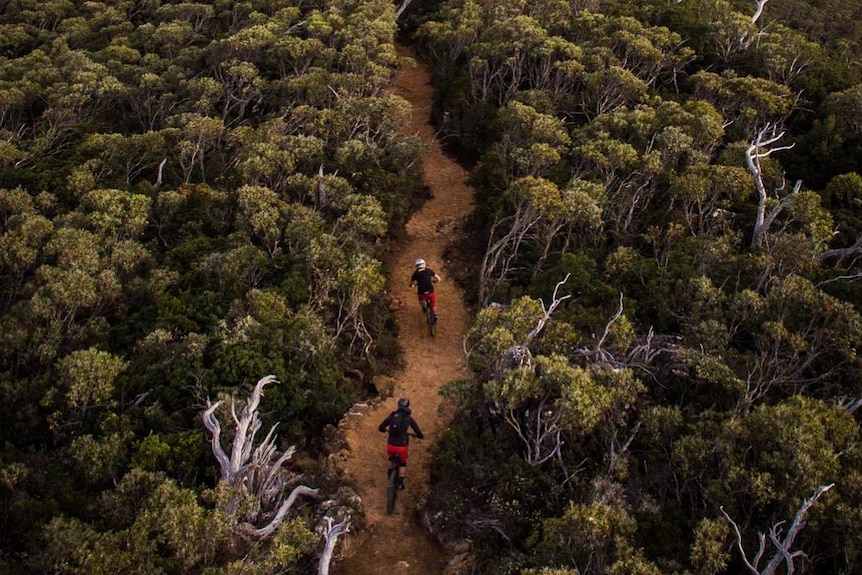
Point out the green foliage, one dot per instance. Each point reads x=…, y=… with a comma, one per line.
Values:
x=197, y=195
x=659, y=102
x=169, y=532
x=709, y=555
x=597, y=535
x=100, y=459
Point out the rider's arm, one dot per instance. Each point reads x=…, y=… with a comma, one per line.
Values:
x=382, y=427
x=436, y=278
x=415, y=427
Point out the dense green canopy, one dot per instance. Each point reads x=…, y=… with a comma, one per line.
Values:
x=194, y=195
x=664, y=353
x=679, y=179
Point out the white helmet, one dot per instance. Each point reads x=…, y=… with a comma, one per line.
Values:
x=420, y=263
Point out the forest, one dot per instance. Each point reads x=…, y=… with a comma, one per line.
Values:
x=664, y=370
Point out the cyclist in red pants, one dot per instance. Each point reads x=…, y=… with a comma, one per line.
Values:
x=397, y=423
x=424, y=279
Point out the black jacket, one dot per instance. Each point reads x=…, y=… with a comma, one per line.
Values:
x=424, y=280
x=397, y=423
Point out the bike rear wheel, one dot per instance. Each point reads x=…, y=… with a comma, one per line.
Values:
x=391, y=489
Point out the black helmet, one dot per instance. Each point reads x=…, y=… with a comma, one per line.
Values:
x=403, y=403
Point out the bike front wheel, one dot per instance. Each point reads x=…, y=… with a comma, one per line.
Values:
x=391, y=490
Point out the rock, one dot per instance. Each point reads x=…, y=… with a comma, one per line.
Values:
x=383, y=385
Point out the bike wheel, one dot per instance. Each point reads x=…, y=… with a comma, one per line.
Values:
x=429, y=317
x=391, y=490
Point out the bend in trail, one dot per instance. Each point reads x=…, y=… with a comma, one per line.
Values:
x=398, y=543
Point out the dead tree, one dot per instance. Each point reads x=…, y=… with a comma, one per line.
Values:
x=758, y=10
x=761, y=146
x=853, y=253
x=850, y=405
x=254, y=475
x=402, y=7
x=330, y=531
x=848, y=258
x=783, y=544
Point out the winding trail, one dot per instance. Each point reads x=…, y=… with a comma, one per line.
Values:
x=398, y=543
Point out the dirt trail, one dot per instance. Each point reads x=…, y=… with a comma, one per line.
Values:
x=397, y=543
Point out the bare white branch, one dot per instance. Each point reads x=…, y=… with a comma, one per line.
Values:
x=331, y=535
x=783, y=546
x=761, y=146
x=285, y=506
x=758, y=10
x=608, y=325
x=548, y=310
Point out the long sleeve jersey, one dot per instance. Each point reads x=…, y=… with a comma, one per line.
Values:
x=397, y=423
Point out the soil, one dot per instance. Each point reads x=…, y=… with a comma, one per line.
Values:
x=399, y=543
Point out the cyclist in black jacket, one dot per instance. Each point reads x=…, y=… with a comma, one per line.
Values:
x=424, y=279
x=397, y=424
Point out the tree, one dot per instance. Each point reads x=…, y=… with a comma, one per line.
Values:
x=251, y=471
x=596, y=536
x=200, y=134
x=23, y=234
x=783, y=543
x=86, y=380
x=760, y=147
x=261, y=215
x=786, y=53
x=153, y=525
x=802, y=335
x=706, y=195
x=529, y=196
x=748, y=104
x=124, y=159
x=499, y=64
x=648, y=52
x=116, y=215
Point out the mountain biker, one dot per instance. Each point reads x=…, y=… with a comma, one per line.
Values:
x=424, y=279
x=397, y=423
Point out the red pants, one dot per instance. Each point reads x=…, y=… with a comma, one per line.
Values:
x=400, y=450
x=431, y=297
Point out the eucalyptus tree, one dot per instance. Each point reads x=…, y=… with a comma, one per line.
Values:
x=747, y=103
x=786, y=54
x=200, y=134
x=801, y=337
x=445, y=39
x=117, y=159
x=846, y=105
x=498, y=64
x=24, y=230
x=85, y=384
x=532, y=208
x=595, y=536
x=653, y=54
x=705, y=195
x=76, y=90
x=544, y=216
x=633, y=151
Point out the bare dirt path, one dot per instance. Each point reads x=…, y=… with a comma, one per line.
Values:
x=397, y=543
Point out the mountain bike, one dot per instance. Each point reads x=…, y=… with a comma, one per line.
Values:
x=392, y=480
x=429, y=316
